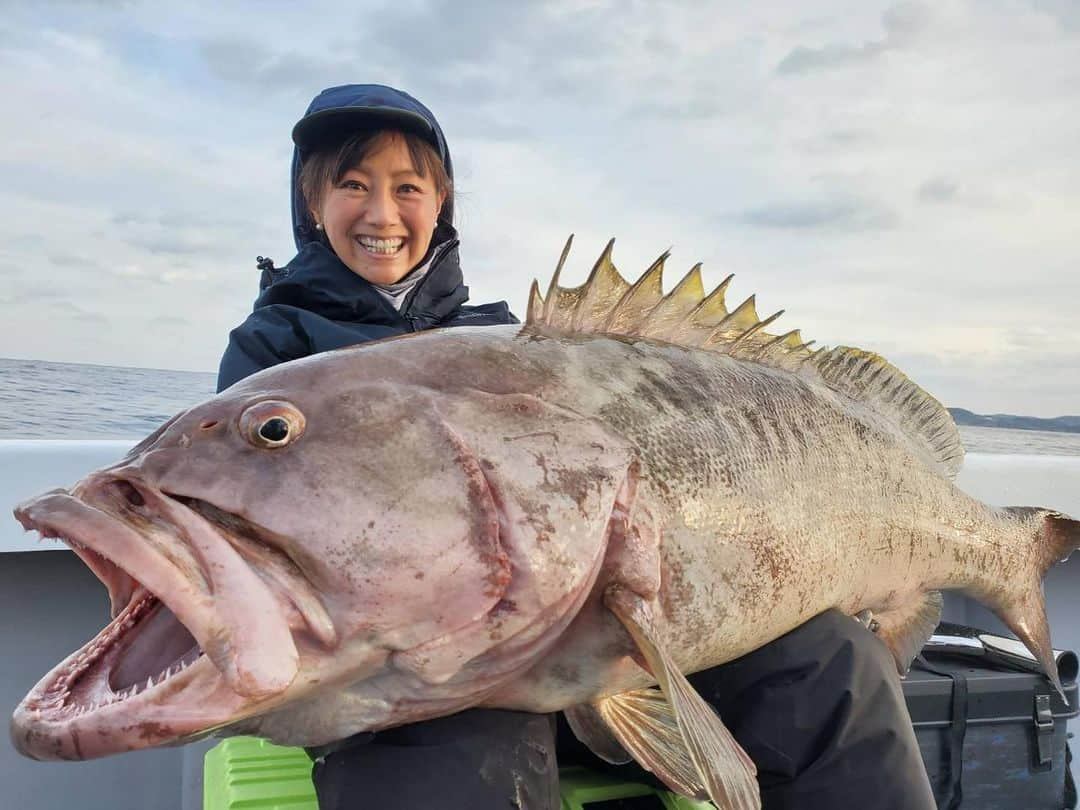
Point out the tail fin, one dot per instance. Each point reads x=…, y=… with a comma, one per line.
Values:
x=1057, y=537
x=1061, y=536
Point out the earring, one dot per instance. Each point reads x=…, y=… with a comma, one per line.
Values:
x=318, y=226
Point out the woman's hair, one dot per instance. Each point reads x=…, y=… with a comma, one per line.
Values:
x=323, y=169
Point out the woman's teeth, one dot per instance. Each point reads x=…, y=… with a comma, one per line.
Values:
x=384, y=247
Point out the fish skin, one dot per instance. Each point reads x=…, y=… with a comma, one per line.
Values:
x=735, y=499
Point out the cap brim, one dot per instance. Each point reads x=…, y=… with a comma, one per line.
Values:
x=327, y=127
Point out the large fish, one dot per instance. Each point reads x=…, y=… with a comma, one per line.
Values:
x=629, y=488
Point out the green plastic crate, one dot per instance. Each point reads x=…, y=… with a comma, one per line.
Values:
x=581, y=789
x=246, y=772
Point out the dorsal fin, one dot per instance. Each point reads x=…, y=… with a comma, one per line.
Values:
x=608, y=304
x=874, y=381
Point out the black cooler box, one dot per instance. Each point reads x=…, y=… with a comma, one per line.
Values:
x=991, y=731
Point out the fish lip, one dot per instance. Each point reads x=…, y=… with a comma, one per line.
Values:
x=43, y=726
x=64, y=516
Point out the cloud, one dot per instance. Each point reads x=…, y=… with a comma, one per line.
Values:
x=997, y=384
x=903, y=23
x=26, y=294
x=79, y=313
x=837, y=213
x=245, y=60
x=937, y=189
x=67, y=260
x=840, y=141
x=54, y=301
x=169, y=322
x=179, y=244
x=803, y=59
x=1065, y=12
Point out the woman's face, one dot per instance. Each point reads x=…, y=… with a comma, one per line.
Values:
x=381, y=216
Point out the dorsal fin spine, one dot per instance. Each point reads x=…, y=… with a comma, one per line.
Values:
x=711, y=305
x=756, y=328
x=643, y=294
x=536, y=303
x=603, y=286
x=671, y=310
x=553, y=287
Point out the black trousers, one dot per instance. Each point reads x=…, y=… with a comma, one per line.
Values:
x=820, y=711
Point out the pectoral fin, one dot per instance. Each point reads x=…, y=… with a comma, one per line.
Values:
x=645, y=724
x=907, y=628
x=721, y=766
x=589, y=726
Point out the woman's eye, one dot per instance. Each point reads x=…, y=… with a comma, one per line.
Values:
x=409, y=188
x=353, y=185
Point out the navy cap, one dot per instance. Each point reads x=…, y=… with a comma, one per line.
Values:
x=331, y=126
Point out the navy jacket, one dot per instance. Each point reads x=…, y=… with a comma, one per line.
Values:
x=316, y=303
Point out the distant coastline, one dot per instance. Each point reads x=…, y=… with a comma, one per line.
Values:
x=1058, y=424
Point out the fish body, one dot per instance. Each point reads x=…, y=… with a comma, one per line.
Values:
x=629, y=488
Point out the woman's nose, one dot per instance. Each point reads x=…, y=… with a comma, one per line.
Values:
x=381, y=209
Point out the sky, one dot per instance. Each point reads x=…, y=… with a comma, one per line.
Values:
x=902, y=177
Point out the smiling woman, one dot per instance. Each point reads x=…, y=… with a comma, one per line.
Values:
x=377, y=199
x=373, y=209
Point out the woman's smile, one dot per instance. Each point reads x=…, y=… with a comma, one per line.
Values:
x=381, y=246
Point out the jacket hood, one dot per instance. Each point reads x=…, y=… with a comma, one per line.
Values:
x=338, y=110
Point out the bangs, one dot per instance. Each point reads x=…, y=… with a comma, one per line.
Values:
x=324, y=169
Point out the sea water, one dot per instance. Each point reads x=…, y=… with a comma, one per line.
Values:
x=41, y=400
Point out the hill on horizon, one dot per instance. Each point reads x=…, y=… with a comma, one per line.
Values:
x=1057, y=424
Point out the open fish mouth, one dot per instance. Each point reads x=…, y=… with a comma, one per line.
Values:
x=143, y=648
x=145, y=679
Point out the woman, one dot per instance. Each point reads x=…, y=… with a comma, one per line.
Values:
x=820, y=710
x=378, y=253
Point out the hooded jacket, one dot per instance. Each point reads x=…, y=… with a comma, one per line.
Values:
x=316, y=303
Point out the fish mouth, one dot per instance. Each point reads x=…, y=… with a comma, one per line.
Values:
x=142, y=660
x=159, y=671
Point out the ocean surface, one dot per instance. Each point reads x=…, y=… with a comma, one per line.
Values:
x=42, y=400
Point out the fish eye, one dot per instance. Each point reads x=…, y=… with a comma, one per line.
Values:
x=272, y=424
x=274, y=429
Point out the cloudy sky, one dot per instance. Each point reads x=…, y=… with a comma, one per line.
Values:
x=904, y=177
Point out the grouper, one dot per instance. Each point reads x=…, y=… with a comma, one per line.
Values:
x=571, y=514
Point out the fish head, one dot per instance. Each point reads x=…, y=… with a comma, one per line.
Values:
x=307, y=532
